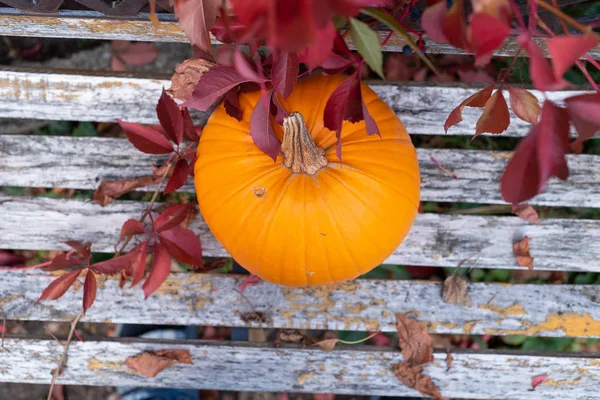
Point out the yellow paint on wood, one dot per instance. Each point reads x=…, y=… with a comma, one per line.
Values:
x=572, y=324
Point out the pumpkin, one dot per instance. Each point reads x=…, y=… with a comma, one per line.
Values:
x=308, y=218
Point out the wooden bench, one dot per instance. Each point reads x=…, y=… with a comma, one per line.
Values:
x=440, y=240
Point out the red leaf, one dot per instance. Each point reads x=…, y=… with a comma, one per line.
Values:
x=178, y=177
x=191, y=132
x=261, y=128
x=526, y=213
x=83, y=249
x=540, y=71
x=350, y=8
x=232, y=104
x=565, y=50
x=277, y=110
x=172, y=217
x=432, y=22
x=196, y=17
x=132, y=227
x=538, y=380
x=133, y=53
x=495, y=117
x=478, y=99
x=117, y=65
x=108, y=191
x=183, y=245
x=59, y=286
x=487, y=34
x=138, y=267
x=212, y=85
x=584, y=111
x=89, y=290
x=336, y=63
x=113, y=265
x=522, y=253
x=249, y=281
x=285, y=72
x=454, y=27
x=538, y=157
x=243, y=66
x=10, y=259
x=61, y=261
x=524, y=104
x=145, y=139
x=170, y=117
x=370, y=123
x=161, y=266
x=316, y=54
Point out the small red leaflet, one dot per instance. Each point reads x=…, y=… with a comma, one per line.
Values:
x=261, y=127
x=183, y=245
x=161, y=266
x=59, y=286
x=172, y=217
x=90, y=287
x=170, y=117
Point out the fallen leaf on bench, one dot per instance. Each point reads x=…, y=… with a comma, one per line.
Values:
x=327, y=344
x=415, y=342
x=303, y=377
x=249, y=281
x=151, y=364
x=538, y=380
x=526, y=213
x=521, y=252
x=414, y=378
x=108, y=191
x=456, y=291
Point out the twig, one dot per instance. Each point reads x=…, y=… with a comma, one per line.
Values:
x=63, y=359
x=77, y=334
x=564, y=17
x=587, y=75
x=49, y=332
x=562, y=23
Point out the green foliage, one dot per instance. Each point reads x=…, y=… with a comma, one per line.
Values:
x=368, y=45
x=85, y=129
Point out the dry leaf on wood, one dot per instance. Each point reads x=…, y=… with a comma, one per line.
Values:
x=186, y=77
x=521, y=252
x=415, y=342
x=526, y=213
x=327, y=344
x=456, y=291
x=414, y=378
x=151, y=364
x=449, y=360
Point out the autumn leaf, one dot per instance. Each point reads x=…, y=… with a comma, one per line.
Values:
x=248, y=281
x=284, y=73
x=413, y=377
x=64, y=261
x=113, y=265
x=495, y=117
x=327, y=344
x=538, y=380
x=146, y=140
x=566, y=50
x=584, y=111
x=432, y=21
x=89, y=290
x=232, y=104
x=415, y=342
x=131, y=53
x=138, y=265
x=172, y=217
x=316, y=54
x=541, y=72
x=83, y=249
x=170, y=117
x=8, y=258
x=456, y=291
x=196, y=17
x=161, y=267
x=261, y=127
x=183, y=245
x=186, y=77
x=449, y=359
x=522, y=254
x=526, y=213
x=179, y=176
x=524, y=104
x=244, y=67
x=190, y=131
x=108, y=191
x=132, y=227
x=454, y=27
x=151, y=364
x=478, y=99
x=59, y=286
x=487, y=33
x=367, y=44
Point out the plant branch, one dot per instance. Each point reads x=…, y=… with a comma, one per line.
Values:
x=63, y=359
x=564, y=17
x=563, y=25
x=587, y=75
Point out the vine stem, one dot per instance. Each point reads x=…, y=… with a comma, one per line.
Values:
x=63, y=359
x=564, y=17
x=42, y=265
x=510, y=67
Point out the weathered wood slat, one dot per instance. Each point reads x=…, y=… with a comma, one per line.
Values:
x=86, y=96
x=80, y=163
x=93, y=25
x=362, y=305
x=435, y=239
x=368, y=371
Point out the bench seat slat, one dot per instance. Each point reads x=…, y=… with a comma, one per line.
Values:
x=80, y=163
x=87, y=96
x=346, y=371
x=435, y=239
x=360, y=305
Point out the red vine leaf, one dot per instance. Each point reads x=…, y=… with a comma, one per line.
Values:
x=566, y=50
x=178, y=177
x=584, y=111
x=248, y=281
x=285, y=72
x=138, y=266
x=108, y=191
x=244, y=67
x=277, y=110
x=538, y=157
x=212, y=85
x=170, y=117
x=113, y=265
x=172, y=217
x=90, y=287
x=145, y=139
x=131, y=53
x=432, y=21
x=526, y=213
x=315, y=54
x=538, y=380
x=161, y=266
x=62, y=261
x=191, y=132
x=83, y=249
x=183, y=245
x=454, y=27
x=132, y=227
x=59, y=286
x=495, y=117
x=261, y=127
x=196, y=17
x=487, y=34
x=541, y=73
x=522, y=254
x=524, y=104
x=478, y=99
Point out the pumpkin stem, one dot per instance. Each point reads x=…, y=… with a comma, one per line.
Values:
x=300, y=153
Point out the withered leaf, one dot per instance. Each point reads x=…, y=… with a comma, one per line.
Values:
x=521, y=252
x=186, y=77
x=526, y=213
x=151, y=364
x=449, y=360
x=291, y=335
x=108, y=191
x=456, y=291
x=328, y=344
x=415, y=342
x=414, y=378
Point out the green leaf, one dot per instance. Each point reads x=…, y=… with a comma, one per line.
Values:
x=367, y=43
x=393, y=24
x=85, y=129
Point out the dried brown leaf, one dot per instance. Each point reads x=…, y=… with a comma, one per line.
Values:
x=108, y=191
x=415, y=342
x=521, y=252
x=179, y=355
x=526, y=213
x=414, y=378
x=456, y=291
x=328, y=344
x=151, y=364
x=449, y=360
x=186, y=77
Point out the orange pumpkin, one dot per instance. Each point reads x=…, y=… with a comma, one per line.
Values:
x=308, y=219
